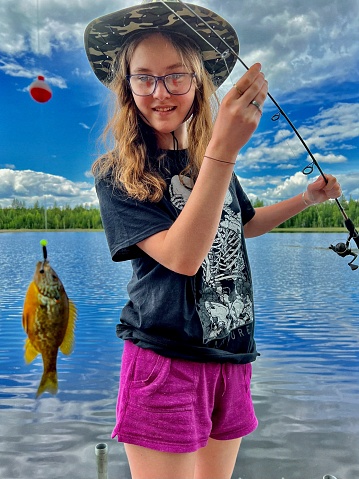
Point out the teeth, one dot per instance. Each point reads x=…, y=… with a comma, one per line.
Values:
x=164, y=109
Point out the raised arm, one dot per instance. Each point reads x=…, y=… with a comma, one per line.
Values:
x=268, y=217
x=184, y=246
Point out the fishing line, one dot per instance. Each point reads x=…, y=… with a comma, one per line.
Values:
x=307, y=170
x=38, y=26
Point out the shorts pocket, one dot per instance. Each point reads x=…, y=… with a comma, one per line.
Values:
x=161, y=383
x=149, y=370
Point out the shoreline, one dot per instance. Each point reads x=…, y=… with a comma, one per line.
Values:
x=70, y=230
x=97, y=230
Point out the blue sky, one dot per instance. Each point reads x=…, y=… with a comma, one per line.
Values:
x=310, y=55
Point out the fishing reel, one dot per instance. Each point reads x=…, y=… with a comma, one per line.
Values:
x=343, y=249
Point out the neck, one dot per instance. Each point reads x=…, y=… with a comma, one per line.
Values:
x=165, y=141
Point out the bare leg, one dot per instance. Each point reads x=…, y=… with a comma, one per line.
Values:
x=217, y=459
x=150, y=464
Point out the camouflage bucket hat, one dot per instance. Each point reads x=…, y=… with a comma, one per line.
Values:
x=105, y=35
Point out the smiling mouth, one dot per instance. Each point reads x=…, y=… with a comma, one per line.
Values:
x=165, y=109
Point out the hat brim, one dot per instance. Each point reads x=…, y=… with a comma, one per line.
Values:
x=105, y=36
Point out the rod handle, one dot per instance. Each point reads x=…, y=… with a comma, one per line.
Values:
x=352, y=231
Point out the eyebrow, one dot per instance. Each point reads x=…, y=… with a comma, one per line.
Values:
x=175, y=66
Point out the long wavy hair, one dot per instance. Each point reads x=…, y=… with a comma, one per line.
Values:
x=132, y=159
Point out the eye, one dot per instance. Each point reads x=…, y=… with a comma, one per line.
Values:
x=144, y=78
x=177, y=77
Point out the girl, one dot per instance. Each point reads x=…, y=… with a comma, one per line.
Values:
x=171, y=204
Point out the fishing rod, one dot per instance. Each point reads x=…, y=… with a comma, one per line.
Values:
x=342, y=249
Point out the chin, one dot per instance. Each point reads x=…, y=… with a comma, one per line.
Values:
x=165, y=129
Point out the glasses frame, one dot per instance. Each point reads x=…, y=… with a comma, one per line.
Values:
x=163, y=79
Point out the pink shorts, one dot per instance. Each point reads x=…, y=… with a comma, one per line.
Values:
x=174, y=405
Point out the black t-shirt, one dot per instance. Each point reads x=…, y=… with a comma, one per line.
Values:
x=205, y=317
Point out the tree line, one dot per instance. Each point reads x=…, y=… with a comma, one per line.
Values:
x=18, y=216
x=325, y=215
x=37, y=217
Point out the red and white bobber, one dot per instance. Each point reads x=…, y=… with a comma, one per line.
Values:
x=40, y=91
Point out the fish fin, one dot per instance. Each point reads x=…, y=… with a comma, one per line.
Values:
x=30, y=304
x=30, y=351
x=67, y=344
x=48, y=383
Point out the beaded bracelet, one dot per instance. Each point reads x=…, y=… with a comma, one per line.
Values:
x=220, y=161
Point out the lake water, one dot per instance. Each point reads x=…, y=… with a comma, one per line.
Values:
x=305, y=384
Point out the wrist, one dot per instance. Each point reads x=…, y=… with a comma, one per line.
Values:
x=221, y=152
x=219, y=160
x=306, y=200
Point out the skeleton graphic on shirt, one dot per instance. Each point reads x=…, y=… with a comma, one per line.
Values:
x=226, y=300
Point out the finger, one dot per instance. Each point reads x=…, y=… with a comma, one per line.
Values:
x=319, y=184
x=257, y=90
x=247, y=80
x=331, y=188
x=331, y=182
x=261, y=97
x=257, y=105
x=335, y=191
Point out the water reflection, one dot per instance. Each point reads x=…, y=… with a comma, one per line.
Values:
x=305, y=385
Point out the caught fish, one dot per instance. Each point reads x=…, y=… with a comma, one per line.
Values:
x=49, y=321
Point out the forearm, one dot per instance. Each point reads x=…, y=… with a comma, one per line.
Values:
x=183, y=247
x=269, y=217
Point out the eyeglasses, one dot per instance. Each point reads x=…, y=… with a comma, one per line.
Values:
x=175, y=83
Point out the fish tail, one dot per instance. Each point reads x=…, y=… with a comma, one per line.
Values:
x=48, y=383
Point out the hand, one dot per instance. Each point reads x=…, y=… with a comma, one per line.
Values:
x=238, y=117
x=320, y=191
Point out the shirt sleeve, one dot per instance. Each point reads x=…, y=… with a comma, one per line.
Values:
x=247, y=210
x=127, y=221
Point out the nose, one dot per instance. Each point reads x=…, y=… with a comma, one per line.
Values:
x=161, y=91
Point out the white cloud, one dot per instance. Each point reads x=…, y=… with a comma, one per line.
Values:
x=272, y=189
x=326, y=135
x=14, y=69
x=290, y=187
x=301, y=46
x=297, y=46
x=42, y=26
x=350, y=185
x=330, y=159
x=31, y=186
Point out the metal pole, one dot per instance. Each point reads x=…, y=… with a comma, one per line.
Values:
x=101, y=451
